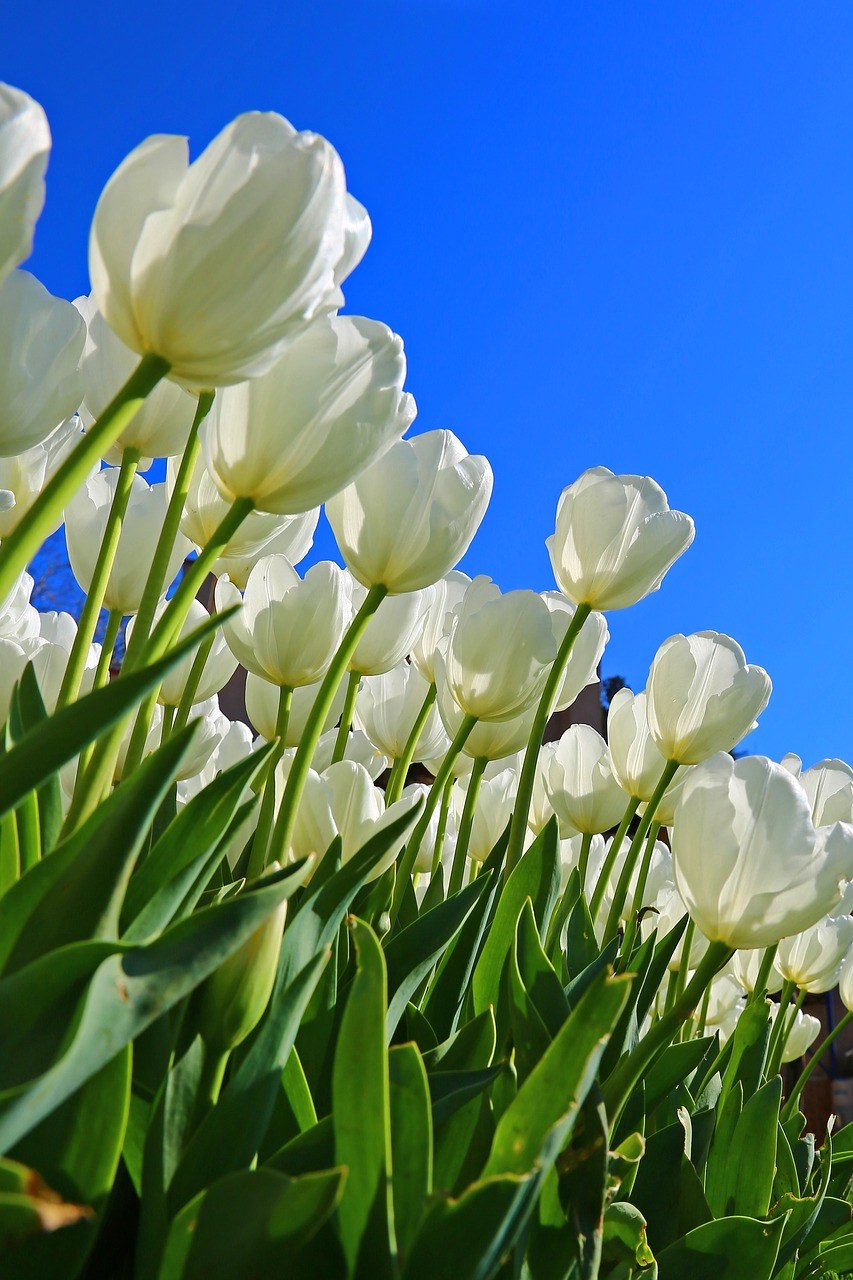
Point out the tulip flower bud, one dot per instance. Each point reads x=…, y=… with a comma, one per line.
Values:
x=495, y=801
x=489, y=739
x=747, y=859
x=41, y=341
x=446, y=594
x=85, y=520
x=829, y=787
x=580, y=784
x=174, y=270
x=813, y=959
x=218, y=668
x=586, y=652
x=746, y=966
x=330, y=405
x=387, y=707
x=232, y=1001
x=805, y=1029
x=635, y=760
x=24, y=151
x=18, y=619
x=391, y=632
x=702, y=697
x=499, y=650
x=615, y=539
x=262, y=700
x=289, y=627
x=24, y=476
x=408, y=518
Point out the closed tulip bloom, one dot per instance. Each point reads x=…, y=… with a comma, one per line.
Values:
x=845, y=984
x=746, y=966
x=747, y=859
x=805, y=1029
x=236, y=744
x=24, y=152
x=586, y=652
x=635, y=760
x=218, y=668
x=615, y=539
x=495, y=801
x=489, y=739
x=387, y=707
x=499, y=650
x=570, y=855
x=358, y=749
x=391, y=632
x=829, y=787
x=214, y=265
x=329, y=407
x=580, y=784
x=260, y=533
x=426, y=848
x=262, y=700
x=702, y=696
x=85, y=521
x=446, y=595
x=161, y=426
x=211, y=727
x=289, y=627
x=19, y=620
x=408, y=518
x=41, y=341
x=813, y=959
x=24, y=476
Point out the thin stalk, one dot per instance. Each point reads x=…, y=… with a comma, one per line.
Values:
x=612, y=854
x=102, y=675
x=620, y=1084
x=776, y=1061
x=166, y=723
x=518, y=826
x=401, y=766
x=583, y=859
x=263, y=831
x=155, y=583
x=466, y=823
x=703, y=1013
x=639, y=892
x=684, y=966
x=819, y=1053
x=29, y=831
x=410, y=853
x=190, y=689
x=764, y=970
x=612, y=926
x=339, y=749
x=39, y=521
x=283, y=829
x=788, y=989
x=91, y=611
x=441, y=826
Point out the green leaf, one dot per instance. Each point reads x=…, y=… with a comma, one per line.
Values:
x=749, y=1050
x=537, y=973
x=411, y=1142
x=751, y=1159
x=30, y=711
x=530, y=1036
x=361, y=1108
x=674, y=1066
x=465, y=1239
x=730, y=1249
x=32, y=1217
x=582, y=1184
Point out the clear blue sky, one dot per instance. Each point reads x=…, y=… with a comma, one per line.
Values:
x=609, y=233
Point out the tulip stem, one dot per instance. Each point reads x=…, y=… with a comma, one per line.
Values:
x=39, y=521
x=621, y=1083
x=639, y=892
x=342, y=736
x=102, y=675
x=466, y=822
x=524, y=795
x=620, y=892
x=764, y=971
x=283, y=829
x=402, y=765
x=263, y=831
x=583, y=857
x=407, y=862
x=612, y=854
x=91, y=611
x=441, y=828
x=773, y=1048
x=155, y=583
x=819, y=1053
x=188, y=695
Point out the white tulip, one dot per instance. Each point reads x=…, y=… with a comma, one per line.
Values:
x=702, y=697
x=387, y=707
x=426, y=848
x=805, y=1029
x=85, y=521
x=41, y=341
x=746, y=966
x=586, y=652
x=214, y=265
x=615, y=539
x=813, y=959
x=570, y=856
x=580, y=784
x=19, y=620
x=357, y=748
x=447, y=593
x=331, y=405
x=493, y=811
x=748, y=861
x=829, y=787
x=262, y=708
x=25, y=475
x=391, y=632
x=407, y=519
x=24, y=151
x=219, y=666
x=211, y=728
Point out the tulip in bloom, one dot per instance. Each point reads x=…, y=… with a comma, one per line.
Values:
x=805, y=1029
x=214, y=265
x=391, y=632
x=615, y=539
x=289, y=627
x=495, y=800
x=329, y=406
x=829, y=787
x=24, y=476
x=635, y=760
x=387, y=707
x=702, y=696
x=408, y=518
x=41, y=341
x=813, y=959
x=586, y=652
x=580, y=784
x=746, y=966
x=748, y=861
x=24, y=151
x=219, y=666
x=446, y=595
x=262, y=699
x=85, y=521
x=19, y=620
x=489, y=739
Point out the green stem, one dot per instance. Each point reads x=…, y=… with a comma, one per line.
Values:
x=583, y=859
x=410, y=853
x=190, y=689
x=91, y=611
x=401, y=766
x=612, y=854
x=29, y=831
x=466, y=823
x=39, y=521
x=764, y=970
x=441, y=826
x=263, y=831
x=819, y=1053
x=620, y=1084
x=639, y=892
x=612, y=926
x=518, y=826
x=166, y=724
x=155, y=583
x=703, y=1013
x=283, y=829
x=776, y=1063
x=342, y=736
x=788, y=989
x=102, y=675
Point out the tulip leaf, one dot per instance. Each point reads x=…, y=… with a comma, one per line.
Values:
x=465, y=1239
x=26, y=712
x=674, y=1066
x=537, y=973
x=751, y=1156
x=32, y=1212
x=749, y=1050
x=581, y=1186
x=731, y=1248
x=411, y=1141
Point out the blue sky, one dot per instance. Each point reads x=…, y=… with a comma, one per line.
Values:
x=611, y=233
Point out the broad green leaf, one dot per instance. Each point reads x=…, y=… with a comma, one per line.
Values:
x=751, y=1161
x=582, y=1184
x=730, y=1249
x=411, y=1142
x=464, y=1239
x=537, y=973
x=674, y=1066
x=749, y=1050
x=27, y=711
x=530, y=1035
x=473, y=1045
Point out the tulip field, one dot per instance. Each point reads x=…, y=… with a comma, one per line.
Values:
x=374, y=983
